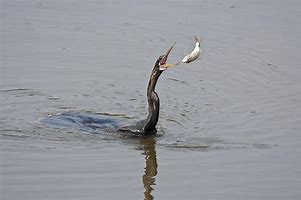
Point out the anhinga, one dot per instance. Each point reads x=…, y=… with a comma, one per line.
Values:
x=148, y=126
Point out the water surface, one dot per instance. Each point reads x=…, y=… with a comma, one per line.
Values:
x=229, y=124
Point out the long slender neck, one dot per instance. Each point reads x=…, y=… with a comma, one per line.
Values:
x=153, y=102
x=153, y=81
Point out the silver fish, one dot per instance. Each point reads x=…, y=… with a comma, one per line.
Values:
x=195, y=52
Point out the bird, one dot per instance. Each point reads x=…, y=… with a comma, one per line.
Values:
x=144, y=127
x=148, y=125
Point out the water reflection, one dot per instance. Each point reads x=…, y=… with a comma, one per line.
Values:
x=151, y=166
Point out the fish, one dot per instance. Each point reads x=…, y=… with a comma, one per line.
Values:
x=195, y=52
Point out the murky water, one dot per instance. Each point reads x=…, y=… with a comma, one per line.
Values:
x=229, y=124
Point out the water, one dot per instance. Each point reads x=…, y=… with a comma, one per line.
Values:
x=229, y=124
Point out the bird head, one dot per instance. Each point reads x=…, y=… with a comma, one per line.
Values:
x=161, y=62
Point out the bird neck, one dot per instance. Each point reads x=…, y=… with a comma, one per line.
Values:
x=153, y=102
x=153, y=81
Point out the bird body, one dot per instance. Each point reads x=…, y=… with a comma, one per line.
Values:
x=195, y=52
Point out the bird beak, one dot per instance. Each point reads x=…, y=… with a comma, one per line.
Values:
x=163, y=64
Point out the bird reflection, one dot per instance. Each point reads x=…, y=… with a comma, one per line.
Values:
x=151, y=165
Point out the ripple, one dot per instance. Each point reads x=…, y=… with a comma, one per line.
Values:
x=14, y=89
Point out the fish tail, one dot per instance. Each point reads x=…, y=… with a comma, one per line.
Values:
x=197, y=39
